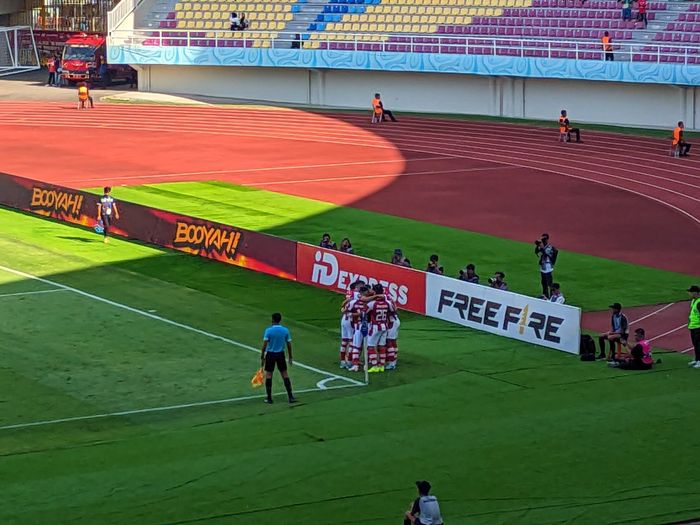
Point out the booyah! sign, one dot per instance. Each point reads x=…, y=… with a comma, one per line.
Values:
x=336, y=271
x=504, y=313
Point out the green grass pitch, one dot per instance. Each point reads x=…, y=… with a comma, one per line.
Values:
x=506, y=432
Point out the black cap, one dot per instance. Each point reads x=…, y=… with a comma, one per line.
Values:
x=695, y=289
x=423, y=486
x=615, y=306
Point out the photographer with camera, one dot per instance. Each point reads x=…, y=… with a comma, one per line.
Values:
x=497, y=281
x=469, y=274
x=433, y=266
x=398, y=259
x=548, y=258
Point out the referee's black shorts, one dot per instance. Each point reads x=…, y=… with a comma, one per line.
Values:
x=275, y=359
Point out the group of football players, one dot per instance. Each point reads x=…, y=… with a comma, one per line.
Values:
x=369, y=317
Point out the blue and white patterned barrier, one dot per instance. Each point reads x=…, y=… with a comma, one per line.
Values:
x=644, y=72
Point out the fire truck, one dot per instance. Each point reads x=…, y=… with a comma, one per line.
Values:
x=81, y=55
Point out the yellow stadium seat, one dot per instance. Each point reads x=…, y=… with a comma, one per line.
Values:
x=268, y=7
x=206, y=15
x=288, y=17
x=209, y=25
x=355, y=28
x=211, y=34
x=196, y=7
x=381, y=28
x=179, y=7
x=262, y=26
x=277, y=8
x=206, y=7
x=190, y=24
x=198, y=15
x=181, y=24
x=180, y=15
x=199, y=24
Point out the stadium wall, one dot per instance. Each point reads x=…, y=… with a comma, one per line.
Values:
x=617, y=103
x=506, y=314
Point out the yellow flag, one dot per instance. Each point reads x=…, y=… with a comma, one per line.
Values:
x=257, y=379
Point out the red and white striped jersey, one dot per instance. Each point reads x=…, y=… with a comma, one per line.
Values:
x=393, y=314
x=356, y=309
x=350, y=296
x=379, y=311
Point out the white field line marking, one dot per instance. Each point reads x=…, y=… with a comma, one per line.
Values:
x=253, y=170
x=173, y=323
x=669, y=332
x=653, y=313
x=363, y=177
x=687, y=350
x=31, y=293
x=158, y=409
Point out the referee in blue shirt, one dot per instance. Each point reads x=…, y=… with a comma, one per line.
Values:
x=275, y=340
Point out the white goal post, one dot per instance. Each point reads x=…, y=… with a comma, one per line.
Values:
x=18, y=51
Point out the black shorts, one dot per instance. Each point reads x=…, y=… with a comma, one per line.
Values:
x=106, y=220
x=273, y=359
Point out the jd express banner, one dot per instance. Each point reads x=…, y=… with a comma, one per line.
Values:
x=253, y=250
x=503, y=313
x=336, y=271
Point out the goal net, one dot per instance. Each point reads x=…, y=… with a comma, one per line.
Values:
x=18, y=51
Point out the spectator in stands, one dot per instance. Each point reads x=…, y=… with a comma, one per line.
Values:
x=608, y=47
x=433, y=265
x=234, y=21
x=681, y=145
x=469, y=274
x=399, y=260
x=626, y=9
x=346, y=246
x=557, y=296
x=565, y=128
x=296, y=42
x=498, y=282
x=133, y=78
x=377, y=104
x=243, y=23
x=327, y=243
x=617, y=333
x=638, y=357
x=642, y=12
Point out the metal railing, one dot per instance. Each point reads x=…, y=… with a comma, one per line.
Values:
x=119, y=12
x=682, y=54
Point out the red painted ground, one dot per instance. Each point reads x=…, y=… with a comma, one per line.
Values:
x=613, y=196
x=663, y=324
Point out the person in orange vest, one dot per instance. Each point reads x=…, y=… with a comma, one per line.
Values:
x=565, y=127
x=51, y=66
x=607, y=47
x=84, y=96
x=379, y=108
x=678, y=142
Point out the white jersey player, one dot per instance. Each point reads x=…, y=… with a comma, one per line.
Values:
x=347, y=330
x=358, y=309
x=392, y=347
x=378, y=310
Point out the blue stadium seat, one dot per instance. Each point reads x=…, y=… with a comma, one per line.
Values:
x=312, y=27
x=321, y=27
x=296, y=9
x=327, y=9
x=343, y=9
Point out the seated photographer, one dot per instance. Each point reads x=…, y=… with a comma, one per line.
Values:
x=327, y=243
x=433, y=266
x=399, y=260
x=557, y=296
x=639, y=355
x=497, y=281
x=346, y=246
x=469, y=274
x=618, y=331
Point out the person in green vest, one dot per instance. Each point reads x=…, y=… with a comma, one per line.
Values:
x=694, y=323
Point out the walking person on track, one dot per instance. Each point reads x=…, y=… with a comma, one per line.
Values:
x=694, y=323
x=275, y=340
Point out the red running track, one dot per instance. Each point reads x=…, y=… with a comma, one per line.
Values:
x=614, y=196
